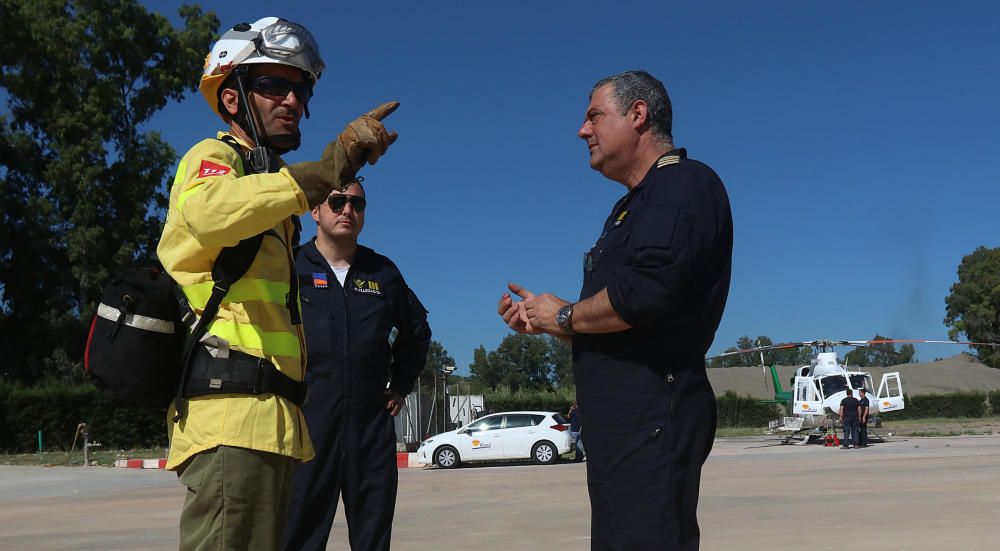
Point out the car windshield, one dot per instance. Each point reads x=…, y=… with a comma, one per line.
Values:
x=487, y=423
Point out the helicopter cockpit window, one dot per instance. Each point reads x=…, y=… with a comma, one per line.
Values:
x=860, y=381
x=833, y=384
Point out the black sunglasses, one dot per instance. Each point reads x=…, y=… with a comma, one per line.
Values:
x=274, y=86
x=337, y=202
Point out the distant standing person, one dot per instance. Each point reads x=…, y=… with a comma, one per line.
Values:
x=850, y=416
x=865, y=406
x=655, y=284
x=575, y=427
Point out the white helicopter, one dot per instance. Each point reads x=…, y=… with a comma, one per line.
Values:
x=818, y=388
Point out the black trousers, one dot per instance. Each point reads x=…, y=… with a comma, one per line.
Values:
x=644, y=483
x=355, y=460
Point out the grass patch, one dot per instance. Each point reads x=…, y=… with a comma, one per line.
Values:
x=903, y=423
x=732, y=432
x=75, y=459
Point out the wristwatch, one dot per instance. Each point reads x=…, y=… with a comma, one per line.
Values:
x=564, y=317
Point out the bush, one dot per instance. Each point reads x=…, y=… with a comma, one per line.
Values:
x=5, y=391
x=57, y=409
x=994, y=399
x=956, y=404
x=503, y=399
x=734, y=411
x=744, y=411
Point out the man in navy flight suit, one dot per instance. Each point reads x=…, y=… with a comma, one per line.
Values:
x=364, y=328
x=654, y=287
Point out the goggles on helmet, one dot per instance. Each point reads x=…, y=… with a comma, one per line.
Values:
x=293, y=43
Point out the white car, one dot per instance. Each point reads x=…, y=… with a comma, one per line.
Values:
x=538, y=435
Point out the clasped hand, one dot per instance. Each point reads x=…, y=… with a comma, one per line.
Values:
x=533, y=314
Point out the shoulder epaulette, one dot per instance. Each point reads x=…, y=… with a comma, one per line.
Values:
x=668, y=160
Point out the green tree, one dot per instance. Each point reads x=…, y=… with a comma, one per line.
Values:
x=742, y=343
x=973, y=307
x=437, y=358
x=784, y=356
x=520, y=362
x=881, y=354
x=82, y=185
x=480, y=365
x=561, y=356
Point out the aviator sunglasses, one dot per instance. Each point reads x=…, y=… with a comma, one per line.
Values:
x=337, y=202
x=279, y=87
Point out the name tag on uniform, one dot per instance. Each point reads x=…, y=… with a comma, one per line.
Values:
x=367, y=287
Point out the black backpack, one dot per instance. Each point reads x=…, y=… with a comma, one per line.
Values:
x=138, y=349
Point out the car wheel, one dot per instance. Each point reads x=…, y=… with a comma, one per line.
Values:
x=446, y=457
x=544, y=453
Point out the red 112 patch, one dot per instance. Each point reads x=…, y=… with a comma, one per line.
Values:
x=208, y=168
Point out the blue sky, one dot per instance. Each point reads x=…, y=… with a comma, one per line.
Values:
x=857, y=141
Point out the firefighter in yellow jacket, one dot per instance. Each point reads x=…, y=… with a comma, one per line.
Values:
x=235, y=450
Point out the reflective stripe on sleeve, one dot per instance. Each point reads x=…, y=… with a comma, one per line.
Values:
x=185, y=194
x=178, y=178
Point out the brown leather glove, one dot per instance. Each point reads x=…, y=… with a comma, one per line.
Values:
x=363, y=139
x=366, y=139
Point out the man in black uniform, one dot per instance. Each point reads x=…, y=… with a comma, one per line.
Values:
x=364, y=327
x=850, y=416
x=654, y=288
x=865, y=406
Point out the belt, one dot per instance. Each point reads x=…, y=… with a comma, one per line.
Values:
x=241, y=373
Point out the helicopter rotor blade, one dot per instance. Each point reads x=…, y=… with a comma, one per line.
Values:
x=759, y=349
x=919, y=341
x=828, y=343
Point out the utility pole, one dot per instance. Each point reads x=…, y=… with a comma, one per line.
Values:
x=445, y=371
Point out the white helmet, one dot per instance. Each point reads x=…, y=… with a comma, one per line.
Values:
x=268, y=40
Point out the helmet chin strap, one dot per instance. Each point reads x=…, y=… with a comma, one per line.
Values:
x=262, y=158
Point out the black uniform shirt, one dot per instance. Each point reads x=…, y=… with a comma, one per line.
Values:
x=850, y=405
x=665, y=256
x=364, y=333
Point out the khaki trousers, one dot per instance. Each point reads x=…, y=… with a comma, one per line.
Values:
x=236, y=499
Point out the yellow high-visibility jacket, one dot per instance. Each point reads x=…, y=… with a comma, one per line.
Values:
x=213, y=205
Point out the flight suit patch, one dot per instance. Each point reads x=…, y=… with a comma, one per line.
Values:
x=367, y=287
x=320, y=281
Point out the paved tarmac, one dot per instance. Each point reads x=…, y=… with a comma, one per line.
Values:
x=916, y=494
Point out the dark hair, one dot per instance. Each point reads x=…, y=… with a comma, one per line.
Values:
x=640, y=85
